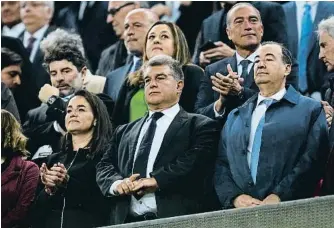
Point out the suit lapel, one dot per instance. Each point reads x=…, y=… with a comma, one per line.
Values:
x=171, y=132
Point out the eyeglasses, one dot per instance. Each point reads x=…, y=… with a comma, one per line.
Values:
x=113, y=11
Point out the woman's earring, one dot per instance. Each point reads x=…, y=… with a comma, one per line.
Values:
x=94, y=124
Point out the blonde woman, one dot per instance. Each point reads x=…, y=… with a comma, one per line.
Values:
x=19, y=178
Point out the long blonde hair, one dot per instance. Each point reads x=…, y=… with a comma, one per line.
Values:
x=181, y=51
x=11, y=134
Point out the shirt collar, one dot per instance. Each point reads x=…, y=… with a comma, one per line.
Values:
x=169, y=112
x=251, y=57
x=135, y=59
x=302, y=3
x=277, y=96
x=18, y=28
x=38, y=35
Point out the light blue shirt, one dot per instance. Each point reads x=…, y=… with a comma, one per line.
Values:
x=258, y=112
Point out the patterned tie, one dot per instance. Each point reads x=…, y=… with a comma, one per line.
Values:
x=306, y=33
x=30, y=46
x=244, y=63
x=137, y=65
x=257, y=143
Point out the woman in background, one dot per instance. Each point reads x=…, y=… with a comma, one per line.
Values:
x=19, y=178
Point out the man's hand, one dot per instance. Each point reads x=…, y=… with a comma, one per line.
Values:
x=202, y=60
x=328, y=111
x=46, y=92
x=221, y=51
x=246, y=201
x=271, y=199
x=146, y=185
x=126, y=187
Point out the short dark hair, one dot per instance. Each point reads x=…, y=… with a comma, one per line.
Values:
x=164, y=60
x=286, y=54
x=65, y=52
x=103, y=129
x=9, y=58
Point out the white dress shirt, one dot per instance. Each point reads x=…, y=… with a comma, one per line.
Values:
x=135, y=60
x=258, y=112
x=148, y=203
x=14, y=31
x=39, y=34
x=239, y=69
x=83, y=6
x=300, y=12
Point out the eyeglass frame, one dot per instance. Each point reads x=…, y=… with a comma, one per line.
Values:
x=114, y=11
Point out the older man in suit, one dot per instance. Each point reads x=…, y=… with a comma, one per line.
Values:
x=214, y=27
x=160, y=165
x=272, y=148
x=302, y=20
x=219, y=94
x=136, y=25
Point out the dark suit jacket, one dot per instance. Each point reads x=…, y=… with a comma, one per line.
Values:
x=207, y=96
x=115, y=80
x=182, y=168
x=316, y=70
x=112, y=58
x=41, y=76
x=192, y=79
x=96, y=34
x=293, y=153
x=8, y=102
x=214, y=27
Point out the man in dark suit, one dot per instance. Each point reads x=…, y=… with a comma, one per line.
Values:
x=36, y=17
x=136, y=24
x=160, y=165
x=274, y=147
x=311, y=68
x=326, y=54
x=245, y=30
x=214, y=27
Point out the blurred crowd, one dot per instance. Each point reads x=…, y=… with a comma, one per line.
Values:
x=122, y=111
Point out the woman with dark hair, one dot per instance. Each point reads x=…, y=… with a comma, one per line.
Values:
x=162, y=38
x=19, y=178
x=71, y=197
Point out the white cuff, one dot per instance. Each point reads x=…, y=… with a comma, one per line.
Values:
x=216, y=113
x=113, y=187
x=58, y=128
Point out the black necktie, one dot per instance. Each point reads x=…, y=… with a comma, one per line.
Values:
x=140, y=165
x=244, y=63
x=30, y=46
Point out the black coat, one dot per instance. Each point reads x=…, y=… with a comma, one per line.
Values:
x=207, y=96
x=192, y=79
x=85, y=205
x=214, y=27
x=183, y=167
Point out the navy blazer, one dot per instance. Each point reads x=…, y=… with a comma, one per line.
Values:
x=316, y=70
x=207, y=96
x=186, y=157
x=293, y=153
x=214, y=27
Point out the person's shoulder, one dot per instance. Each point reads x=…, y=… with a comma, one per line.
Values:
x=219, y=64
x=213, y=17
x=192, y=68
x=266, y=5
x=199, y=119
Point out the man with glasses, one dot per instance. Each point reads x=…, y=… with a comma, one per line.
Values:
x=115, y=56
x=36, y=16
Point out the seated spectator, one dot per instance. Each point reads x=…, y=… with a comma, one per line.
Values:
x=326, y=43
x=274, y=147
x=182, y=147
x=220, y=92
x=65, y=61
x=19, y=178
x=10, y=68
x=10, y=19
x=162, y=38
x=137, y=23
x=71, y=197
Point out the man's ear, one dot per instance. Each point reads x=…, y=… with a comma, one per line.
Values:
x=179, y=86
x=83, y=72
x=287, y=69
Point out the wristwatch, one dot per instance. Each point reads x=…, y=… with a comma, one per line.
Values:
x=51, y=100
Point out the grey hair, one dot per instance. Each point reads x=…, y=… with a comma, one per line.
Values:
x=327, y=25
x=164, y=60
x=238, y=6
x=50, y=4
x=60, y=37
